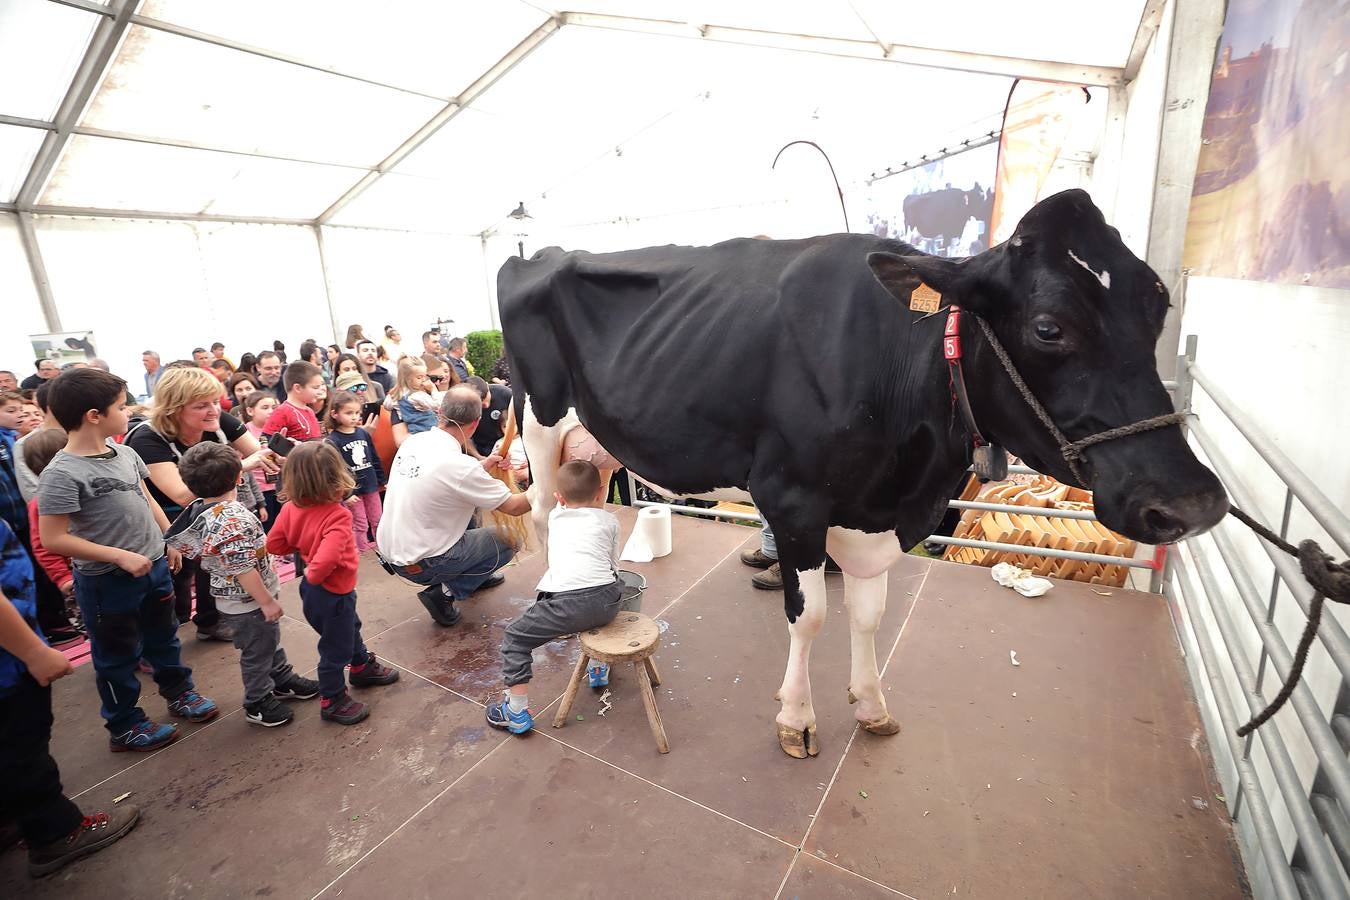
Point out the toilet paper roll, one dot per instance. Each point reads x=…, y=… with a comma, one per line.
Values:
x=651, y=535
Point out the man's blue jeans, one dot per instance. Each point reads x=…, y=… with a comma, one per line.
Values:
x=465, y=566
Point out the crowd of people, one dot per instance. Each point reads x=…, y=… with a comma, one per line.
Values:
x=128, y=512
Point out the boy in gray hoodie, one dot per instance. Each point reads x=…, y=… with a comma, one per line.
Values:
x=229, y=540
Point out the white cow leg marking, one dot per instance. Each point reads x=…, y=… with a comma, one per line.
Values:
x=543, y=446
x=797, y=718
x=866, y=601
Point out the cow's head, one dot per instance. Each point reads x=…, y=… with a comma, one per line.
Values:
x=1080, y=316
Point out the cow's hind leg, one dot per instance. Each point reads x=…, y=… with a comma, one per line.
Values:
x=866, y=601
x=797, y=718
x=543, y=445
x=865, y=559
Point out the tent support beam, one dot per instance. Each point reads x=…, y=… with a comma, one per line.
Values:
x=28, y=236
x=1102, y=76
x=216, y=40
x=88, y=76
x=21, y=122
x=94, y=212
x=485, y=81
x=327, y=285
x=1149, y=20
x=89, y=212
x=1190, y=63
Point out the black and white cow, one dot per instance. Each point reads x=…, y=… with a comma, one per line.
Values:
x=797, y=370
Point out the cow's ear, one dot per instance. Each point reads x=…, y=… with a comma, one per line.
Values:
x=900, y=275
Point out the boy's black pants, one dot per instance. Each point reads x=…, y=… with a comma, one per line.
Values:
x=30, y=787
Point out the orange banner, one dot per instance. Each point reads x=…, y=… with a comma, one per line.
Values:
x=1035, y=124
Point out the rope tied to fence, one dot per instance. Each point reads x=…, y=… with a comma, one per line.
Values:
x=1330, y=580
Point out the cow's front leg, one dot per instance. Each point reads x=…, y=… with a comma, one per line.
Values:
x=797, y=718
x=866, y=601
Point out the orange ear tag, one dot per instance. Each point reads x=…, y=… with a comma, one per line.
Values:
x=924, y=299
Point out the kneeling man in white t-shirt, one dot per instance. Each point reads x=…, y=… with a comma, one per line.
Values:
x=435, y=485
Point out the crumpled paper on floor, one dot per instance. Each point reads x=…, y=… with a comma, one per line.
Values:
x=1020, y=580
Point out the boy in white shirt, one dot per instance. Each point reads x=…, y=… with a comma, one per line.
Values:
x=580, y=590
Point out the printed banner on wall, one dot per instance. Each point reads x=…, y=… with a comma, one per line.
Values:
x=66, y=347
x=1272, y=189
x=940, y=208
x=1036, y=123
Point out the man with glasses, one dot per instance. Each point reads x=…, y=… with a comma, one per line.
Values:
x=46, y=370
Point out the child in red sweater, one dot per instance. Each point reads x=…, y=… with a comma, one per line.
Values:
x=38, y=451
x=295, y=419
x=317, y=524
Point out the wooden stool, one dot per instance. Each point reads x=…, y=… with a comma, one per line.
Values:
x=630, y=638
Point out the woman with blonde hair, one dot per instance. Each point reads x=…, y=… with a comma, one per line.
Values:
x=187, y=412
x=413, y=402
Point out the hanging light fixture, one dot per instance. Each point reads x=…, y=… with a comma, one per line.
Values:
x=519, y=214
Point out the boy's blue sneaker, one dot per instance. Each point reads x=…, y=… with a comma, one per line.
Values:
x=143, y=737
x=599, y=675
x=194, y=707
x=499, y=715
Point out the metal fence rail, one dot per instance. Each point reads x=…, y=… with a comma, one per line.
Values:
x=1319, y=861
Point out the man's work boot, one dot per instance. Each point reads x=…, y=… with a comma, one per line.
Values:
x=771, y=579
x=756, y=558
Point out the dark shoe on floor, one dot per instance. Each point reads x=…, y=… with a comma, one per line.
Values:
x=194, y=707
x=296, y=688
x=492, y=580
x=59, y=637
x=268, y=712
x=143, y=737
x=771, y=579
x=95, y=833
x=217, y=632
x=9, y=836
x=441, y=607
x=343, y=710
x=372, y=674
x=757, y=558
x=933, y=548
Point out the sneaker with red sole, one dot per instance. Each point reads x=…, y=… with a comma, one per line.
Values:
x=343, y=710
x=92, y=835
x=372, y=674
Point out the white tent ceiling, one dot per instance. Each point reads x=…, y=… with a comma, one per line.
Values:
x=439, y=116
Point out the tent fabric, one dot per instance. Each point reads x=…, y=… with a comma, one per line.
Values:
x=313, y=160
x=199, y=118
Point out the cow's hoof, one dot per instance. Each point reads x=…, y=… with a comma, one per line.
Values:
x=887, y=725
x=798, y=744
x=852, y=697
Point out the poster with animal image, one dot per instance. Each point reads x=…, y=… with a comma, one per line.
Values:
x=1271, y=200
x=66, y=347
x=942, y=207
